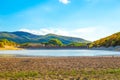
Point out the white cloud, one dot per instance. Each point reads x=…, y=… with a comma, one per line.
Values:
x=64, y=1
x=47, y=31
x=88, y=33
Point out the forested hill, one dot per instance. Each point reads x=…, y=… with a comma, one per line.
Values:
x=112, y=40
x=23, y=37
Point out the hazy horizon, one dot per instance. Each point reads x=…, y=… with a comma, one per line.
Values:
x=87, y=19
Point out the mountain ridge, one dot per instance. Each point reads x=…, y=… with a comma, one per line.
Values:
x=23, y=37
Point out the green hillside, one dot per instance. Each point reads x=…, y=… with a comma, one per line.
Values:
x=63, y=39
x=19, y=37
x=25, y=37
x=112, y=40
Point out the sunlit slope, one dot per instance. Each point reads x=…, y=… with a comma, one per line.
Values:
x=112, y=40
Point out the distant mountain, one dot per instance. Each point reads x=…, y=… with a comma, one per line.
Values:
x=23, y=37
x=19, y=37
x=112, y=40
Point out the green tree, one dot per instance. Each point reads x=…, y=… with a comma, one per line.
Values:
x=55, y=42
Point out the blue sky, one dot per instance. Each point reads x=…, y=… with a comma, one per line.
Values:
x=88, y=19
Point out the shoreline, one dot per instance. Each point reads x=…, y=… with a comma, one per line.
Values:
x=117, y=48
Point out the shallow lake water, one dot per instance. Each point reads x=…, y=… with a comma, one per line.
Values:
x=61, y=52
